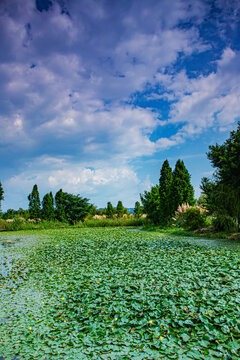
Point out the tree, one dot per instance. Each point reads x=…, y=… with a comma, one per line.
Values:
x=34, y=203
x=151, y=203
x=9, y=214
x=47, y=207
x=75, y=207
x=110, y=211
x=59, y=203
x=181, y=188
x=120, y=209
x=138, y=211
x=165, y=182
x=223, y=193
x=1, y=195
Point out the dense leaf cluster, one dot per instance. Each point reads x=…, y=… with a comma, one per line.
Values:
x=68, y=207
x=222, y=194
x=1, y=194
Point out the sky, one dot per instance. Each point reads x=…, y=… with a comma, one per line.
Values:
x=96, y=94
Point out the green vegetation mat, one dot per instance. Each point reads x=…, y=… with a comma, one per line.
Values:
x=118, y=294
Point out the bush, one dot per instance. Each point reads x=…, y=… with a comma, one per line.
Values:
x=194, y=218
x=224, y=223
x=178, y=219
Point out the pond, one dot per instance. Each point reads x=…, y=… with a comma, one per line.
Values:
x=142, y=295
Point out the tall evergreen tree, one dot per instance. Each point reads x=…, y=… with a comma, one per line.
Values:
x=1, y=195
x=34, y=203
x=138, y=209
x=181, y=188
x=51, y=195
x=59, y=203
x=120, y=209
x=165, y=182
x=47, y=207
x=110, y=211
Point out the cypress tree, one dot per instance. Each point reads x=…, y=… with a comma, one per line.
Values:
x=120, y=209
x=34, y=203
x=181, y=189
x=52, y=198
x=47, y=207
x=59, y=203
x=110, y=211
x=165, y=182
x=1, y=195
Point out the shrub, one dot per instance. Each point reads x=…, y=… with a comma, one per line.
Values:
x=178, y=219
x=224, y=223
x=3, y=224
x=193, y=218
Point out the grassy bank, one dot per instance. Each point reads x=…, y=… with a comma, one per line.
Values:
x=173, y=231
x=105, y=222
x=113, y=222
x=24, y=225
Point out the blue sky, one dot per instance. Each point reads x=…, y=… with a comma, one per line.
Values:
x=96, y=94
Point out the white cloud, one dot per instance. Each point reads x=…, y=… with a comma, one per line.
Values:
x=104, y=182
x=206, y=101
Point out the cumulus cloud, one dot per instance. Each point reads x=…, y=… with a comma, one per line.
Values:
x=71, y=75
x=98, y=182
x=74, y=77
x=207, y=101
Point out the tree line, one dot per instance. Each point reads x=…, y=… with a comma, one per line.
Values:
x=64, y=207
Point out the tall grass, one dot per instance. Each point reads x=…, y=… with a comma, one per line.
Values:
x=110, y=222
x=18, y=224
x=24, y=225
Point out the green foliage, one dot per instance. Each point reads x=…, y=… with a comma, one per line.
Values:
x=165, y=183
x=71, y=208
x=22, y=213
x=1, y=194
x=194, y=219
x=94, y=211
x=120, y=209
x=59, y=203
x=9, y=214
x=110, y=210
x=48, y=212
x=19, y=224
x=223, y=194
x=113, y=293
x=181, y=188
x=113, y=222
x=75, y=207
x=226, y=159
x=151, y=203
x=34, y=203
x=223, y=222
x=138, y=211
